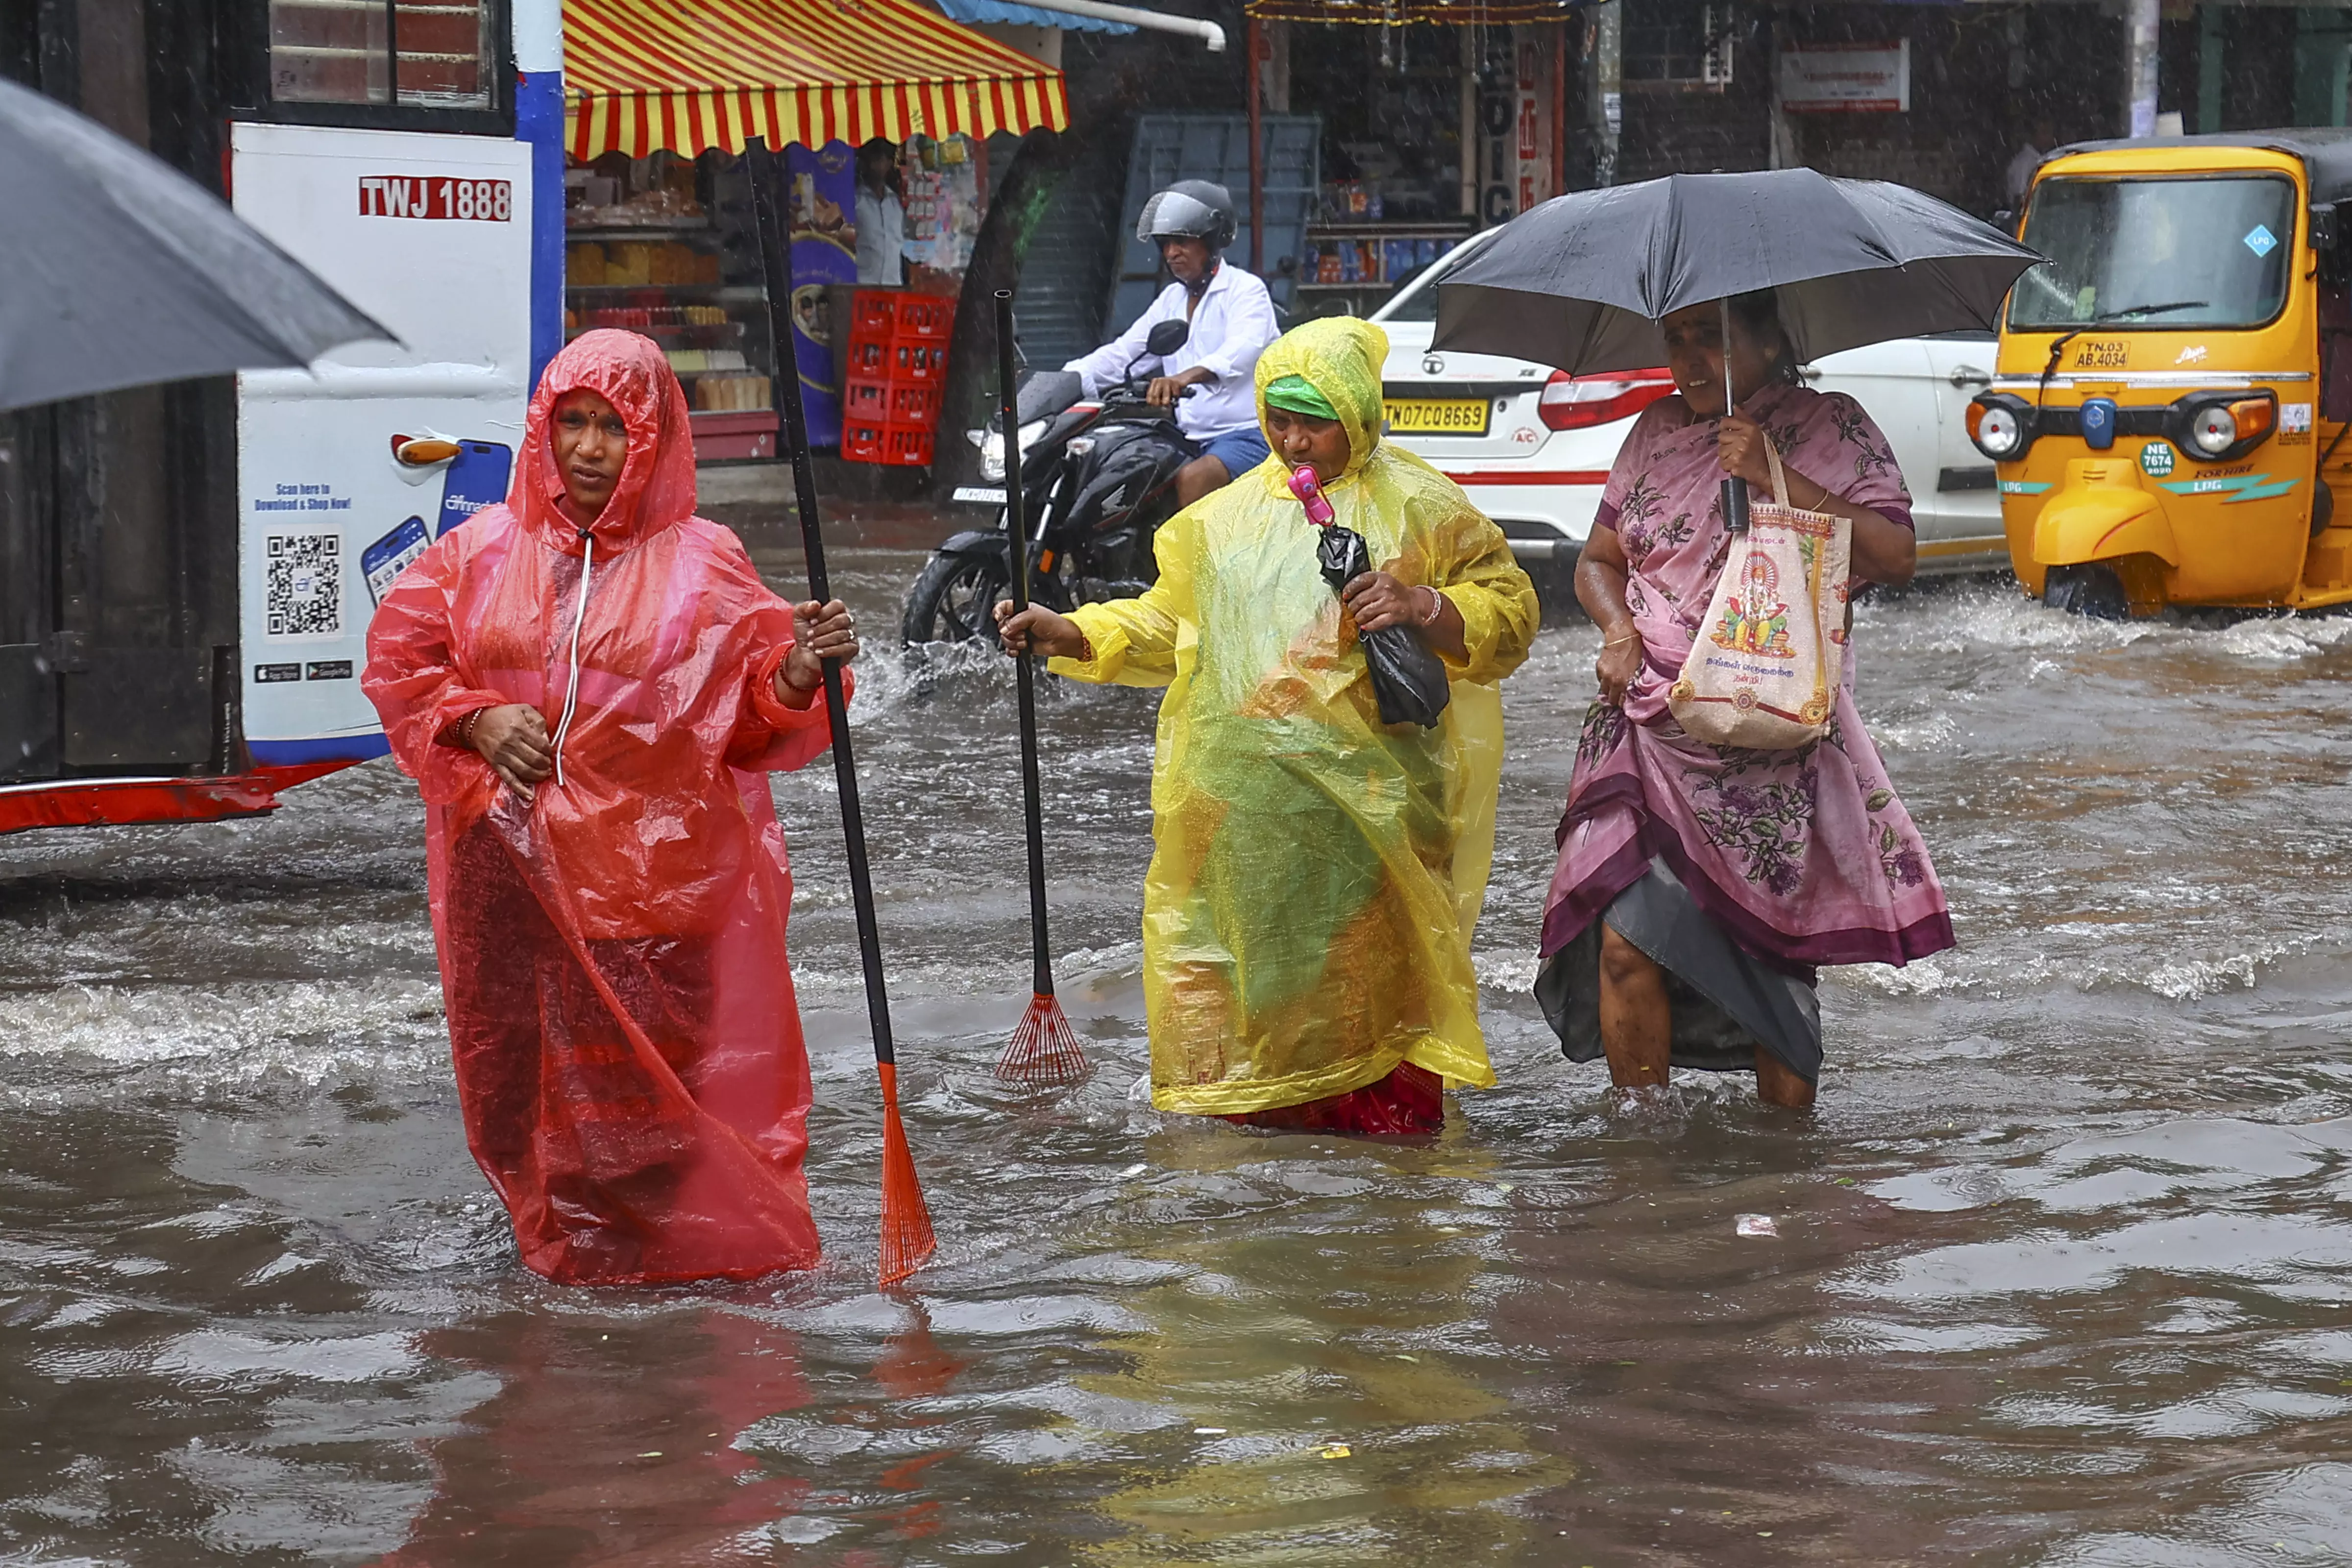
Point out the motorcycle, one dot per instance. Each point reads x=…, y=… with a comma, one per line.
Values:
x=1098, y=477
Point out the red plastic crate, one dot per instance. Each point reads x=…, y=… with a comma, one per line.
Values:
x=901, y=402
x=917, y=359
x=882, y=316
x=870, y=358
x=872, y=315
x=907, y=445
x=887, y=441
x=929, y=315
x=912, y=402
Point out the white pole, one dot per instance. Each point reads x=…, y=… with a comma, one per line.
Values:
x=537, y=34
x=2139, y=68
x=1208, y=33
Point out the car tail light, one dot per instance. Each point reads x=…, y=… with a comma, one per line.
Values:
x=1580, y=401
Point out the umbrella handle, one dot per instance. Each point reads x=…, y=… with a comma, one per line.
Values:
x=1735, y=505
x=1735, y=490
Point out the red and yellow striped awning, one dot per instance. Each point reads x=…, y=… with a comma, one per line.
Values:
x=690, y=75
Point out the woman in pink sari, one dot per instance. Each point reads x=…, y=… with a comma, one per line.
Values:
x=1698, y=887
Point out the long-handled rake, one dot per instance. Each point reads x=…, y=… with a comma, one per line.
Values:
x=1043, y=1050
x=907, y=1239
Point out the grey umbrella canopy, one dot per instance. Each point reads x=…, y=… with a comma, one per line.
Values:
x=116, y=270
x=1581, y=281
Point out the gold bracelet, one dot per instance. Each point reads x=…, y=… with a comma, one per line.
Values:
x=1613, y=642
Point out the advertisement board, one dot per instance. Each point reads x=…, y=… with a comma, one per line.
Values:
x=1846, y=79
x=823, y=217
x=431, y=235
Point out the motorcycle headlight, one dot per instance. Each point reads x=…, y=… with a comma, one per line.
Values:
x=991, y=456
x=1996, y=431
x=2214, y=430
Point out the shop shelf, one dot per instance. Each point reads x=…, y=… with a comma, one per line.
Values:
x=732, y=437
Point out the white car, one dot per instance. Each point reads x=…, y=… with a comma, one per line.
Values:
x=1533, y=445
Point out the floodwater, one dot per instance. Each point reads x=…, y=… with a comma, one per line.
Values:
x=2060, y=1276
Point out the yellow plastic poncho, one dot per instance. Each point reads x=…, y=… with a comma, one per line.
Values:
x=1316, y=874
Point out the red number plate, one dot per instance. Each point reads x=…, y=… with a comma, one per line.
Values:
x=413, y=195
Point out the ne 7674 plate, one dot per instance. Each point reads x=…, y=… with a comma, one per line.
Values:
x=979, y=495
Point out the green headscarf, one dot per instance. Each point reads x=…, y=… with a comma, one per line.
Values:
x=1296, y=394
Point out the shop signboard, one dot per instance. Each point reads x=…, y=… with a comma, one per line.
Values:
x=1534, y=158
x=431, y=235
x=1846, y=79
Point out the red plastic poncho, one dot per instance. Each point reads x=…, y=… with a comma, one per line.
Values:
x=627, y=1047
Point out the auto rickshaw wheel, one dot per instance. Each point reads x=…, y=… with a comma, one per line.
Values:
x=2095, y=591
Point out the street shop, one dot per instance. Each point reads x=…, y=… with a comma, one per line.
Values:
x=1438, y=119
x=884, y=112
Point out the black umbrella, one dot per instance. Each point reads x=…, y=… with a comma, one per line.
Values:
x=120, y=271
x=1582, y=281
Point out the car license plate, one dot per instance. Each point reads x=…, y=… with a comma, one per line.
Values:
x=1437, y=416
x=980, y=495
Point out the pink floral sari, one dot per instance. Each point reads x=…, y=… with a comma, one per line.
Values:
x=1801, y=858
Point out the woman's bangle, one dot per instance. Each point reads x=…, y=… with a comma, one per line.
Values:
x=1629, y=636
x=1436, y=606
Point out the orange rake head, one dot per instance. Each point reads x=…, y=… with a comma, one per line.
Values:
x=907, y=1239
x=1043, y=1050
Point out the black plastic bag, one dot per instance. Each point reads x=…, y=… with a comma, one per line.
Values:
x=1409, y=680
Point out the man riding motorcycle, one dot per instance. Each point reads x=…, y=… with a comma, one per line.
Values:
x=1231, y=322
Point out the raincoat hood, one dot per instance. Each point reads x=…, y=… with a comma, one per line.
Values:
x=656, y=488
x=1340, y=357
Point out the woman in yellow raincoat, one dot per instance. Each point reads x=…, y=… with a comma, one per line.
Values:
x=1307, y=917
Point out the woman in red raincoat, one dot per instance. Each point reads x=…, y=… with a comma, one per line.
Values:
x=590, y=685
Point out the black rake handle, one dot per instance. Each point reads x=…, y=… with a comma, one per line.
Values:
x=1017, y=512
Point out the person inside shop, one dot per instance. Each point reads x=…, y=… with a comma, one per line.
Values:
x=2027, y=161
x=1315, y=873
x=881, y=217
x=590, y=685
x=1232, y=321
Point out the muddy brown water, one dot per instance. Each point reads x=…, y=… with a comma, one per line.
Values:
x=2060, y=1277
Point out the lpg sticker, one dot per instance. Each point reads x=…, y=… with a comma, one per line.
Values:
x=2294, y=424
x=2193, y=355
x=2156, y=459
x=2261, y=240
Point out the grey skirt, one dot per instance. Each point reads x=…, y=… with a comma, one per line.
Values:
x=1726, y=1002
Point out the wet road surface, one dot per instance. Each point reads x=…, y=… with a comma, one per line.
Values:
x=2061, y=1276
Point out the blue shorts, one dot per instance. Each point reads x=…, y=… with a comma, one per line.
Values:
x=1238, y=450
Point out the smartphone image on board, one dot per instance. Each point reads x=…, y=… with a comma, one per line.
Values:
x=388, y=557
x=477, y=478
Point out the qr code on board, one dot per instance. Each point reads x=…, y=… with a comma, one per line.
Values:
x=305, y=589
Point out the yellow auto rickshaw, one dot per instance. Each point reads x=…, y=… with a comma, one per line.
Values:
x=2174, y=385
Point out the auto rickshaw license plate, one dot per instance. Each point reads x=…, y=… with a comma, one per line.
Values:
x=1437, y=416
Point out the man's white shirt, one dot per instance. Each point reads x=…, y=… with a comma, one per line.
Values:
x=1229, y=328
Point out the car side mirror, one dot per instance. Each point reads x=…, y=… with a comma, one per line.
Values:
x=2327, y=244
x=1166, y=339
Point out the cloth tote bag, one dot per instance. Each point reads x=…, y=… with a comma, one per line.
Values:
x=1766, y=664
